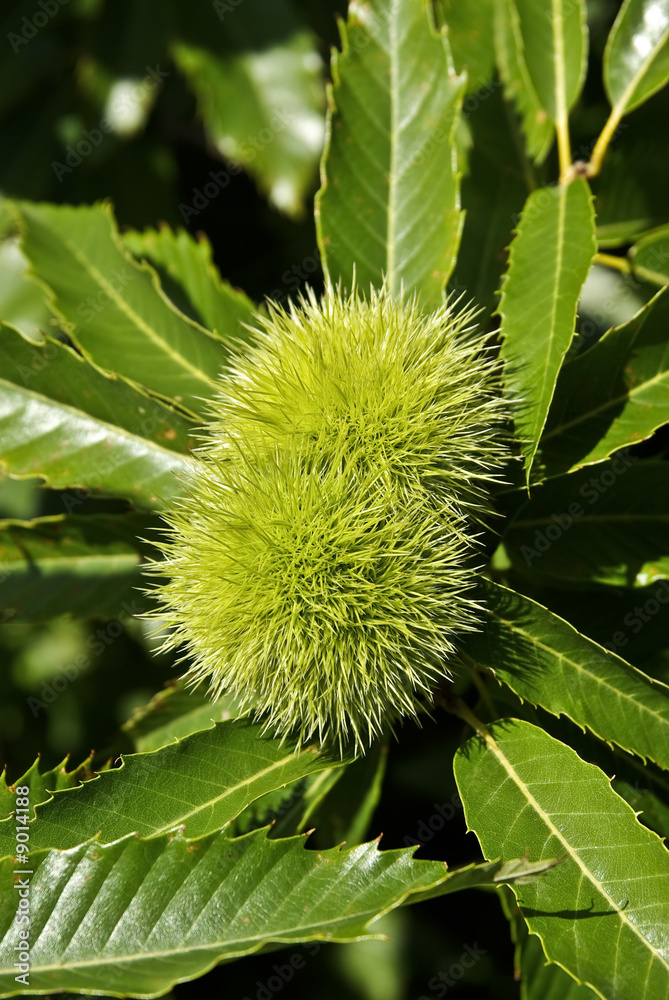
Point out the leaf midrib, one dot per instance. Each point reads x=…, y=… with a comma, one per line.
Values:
x=123, y=305
x=562, y=657
x=131, y=558
x=183, y=817
x=284, y=937
x=558, y=56
x=260, y=939
x=247, y=783
x=491, y=743
x=83, y=415
x=631, y=392
x=392, y=176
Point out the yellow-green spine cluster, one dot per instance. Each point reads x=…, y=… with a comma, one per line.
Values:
x=321, y=562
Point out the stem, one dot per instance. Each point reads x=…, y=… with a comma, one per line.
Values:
x=564, y=150
x=475, y=674
x=459, y=708
x=562, y=117
x=610, y=260
x=602, y=143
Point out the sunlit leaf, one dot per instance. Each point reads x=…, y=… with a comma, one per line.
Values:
x=97, y=433
x=135, y=917
x=548, y=264
x=636, y=58
x=389, y=204
x=612, y=396
x=199, y=783
x=548, y=663
x=189, y=265
x=258, y=78
x=602, y=915
x=113, y=308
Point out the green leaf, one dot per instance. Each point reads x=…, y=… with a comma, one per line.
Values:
x=603, y=914
x=113, y=308
x=471, y=40
x=540, y=981
x=627, y=397
x=542, y=51
x=636, y=58
x=518, y=86
x=493, y=194
x=258, y=79
x=85, y=566
x=345, y=813
x=41, y=783
x=174, y=713
x=653, y=812
x=650, y=256
x=96, y=433
x=619, y=234
x=200, y=783
x=189, y=264
x=22, y=302
x=609, y=528
x=548, y=264
x=555, y=44
x=548, y=663
x=135, y=917
x=643, y=785
x=389, y=203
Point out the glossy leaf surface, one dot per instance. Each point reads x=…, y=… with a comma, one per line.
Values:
x=389, y=204
x=135, y=917
x=612, y=396
x=113, y=308
x=548, y=663
x=636, y=59
x=603, y=913
x=96, y=433
x=548, y=264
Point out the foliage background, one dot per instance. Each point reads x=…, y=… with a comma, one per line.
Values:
x=51, y=90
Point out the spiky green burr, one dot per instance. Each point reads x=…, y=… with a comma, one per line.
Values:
x=322, y=559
